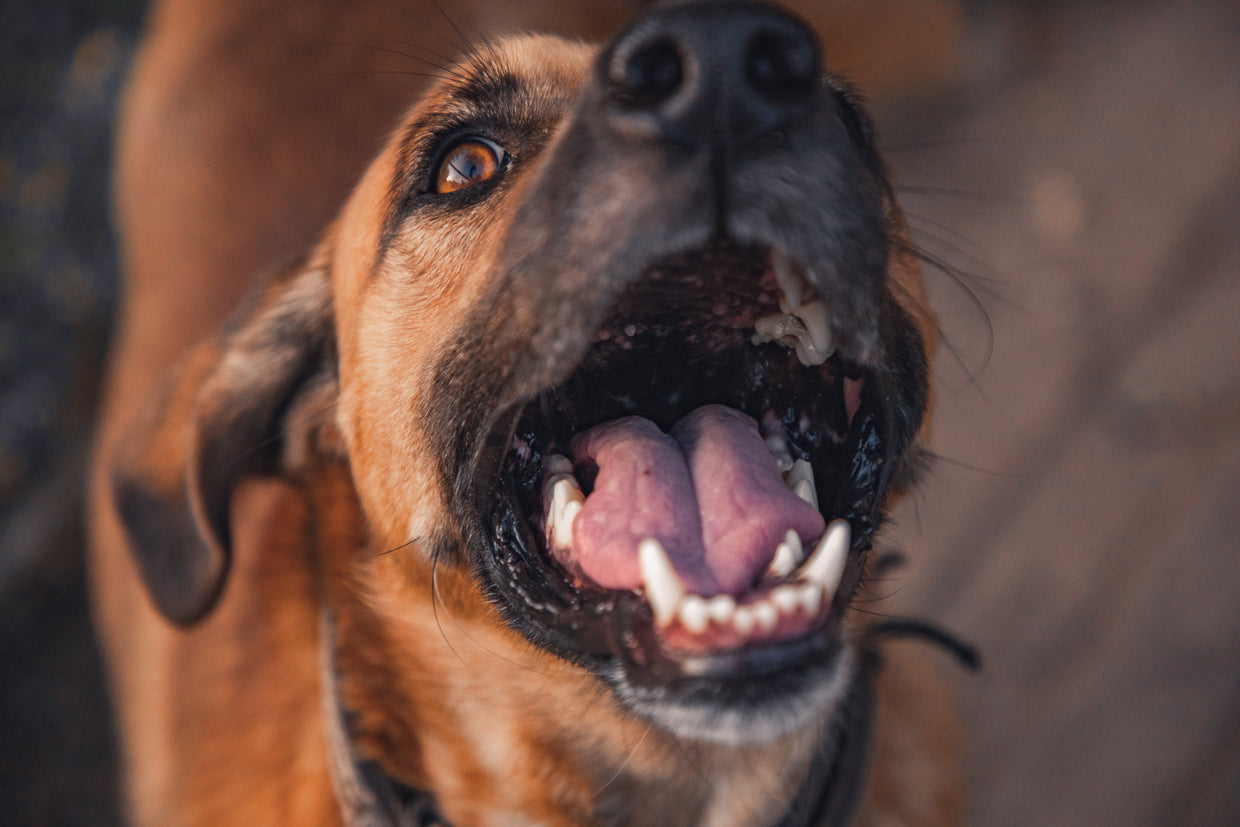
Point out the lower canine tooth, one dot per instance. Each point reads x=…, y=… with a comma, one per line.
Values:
x=566, y=504
x=826, y=565
x=663, y=588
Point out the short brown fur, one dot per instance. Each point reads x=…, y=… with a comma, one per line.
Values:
x=221, y=722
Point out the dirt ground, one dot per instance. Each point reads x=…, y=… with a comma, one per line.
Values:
x=1079, y=179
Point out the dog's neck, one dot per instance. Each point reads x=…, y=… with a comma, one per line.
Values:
x=369, y=797
x=594, y=765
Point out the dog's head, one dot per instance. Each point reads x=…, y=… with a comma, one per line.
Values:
x=628, y=338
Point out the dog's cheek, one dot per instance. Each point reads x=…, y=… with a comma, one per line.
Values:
x=407, y=314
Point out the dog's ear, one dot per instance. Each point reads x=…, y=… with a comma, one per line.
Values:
x=242, y=403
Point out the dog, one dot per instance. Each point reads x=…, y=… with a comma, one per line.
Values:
x=538, y=490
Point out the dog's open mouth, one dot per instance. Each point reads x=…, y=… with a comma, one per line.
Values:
x=696, y=498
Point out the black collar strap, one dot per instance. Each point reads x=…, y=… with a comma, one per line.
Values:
x=368, y=797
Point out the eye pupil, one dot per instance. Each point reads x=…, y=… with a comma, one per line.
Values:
x=470, y=162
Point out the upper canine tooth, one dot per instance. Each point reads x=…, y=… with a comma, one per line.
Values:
x=790, y=283
x=826, y=565
x=800, y=480
x=788, y=555
x=663, y=588
x=814, y=314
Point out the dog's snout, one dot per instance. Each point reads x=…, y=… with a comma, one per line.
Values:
x=710, y=75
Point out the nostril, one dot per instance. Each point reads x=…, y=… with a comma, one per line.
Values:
x=648, y=75
x=781, y=63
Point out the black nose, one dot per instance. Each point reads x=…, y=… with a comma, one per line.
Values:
x=717, y=73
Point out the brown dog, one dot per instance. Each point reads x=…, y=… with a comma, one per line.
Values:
x=538, y=490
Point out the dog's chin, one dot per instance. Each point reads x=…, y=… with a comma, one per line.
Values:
x=723, y=348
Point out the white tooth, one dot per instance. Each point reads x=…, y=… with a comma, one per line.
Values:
x=805, y=490
x=826, y=565
x=694, y=614
x=814, y=314
x=663, y=588
x=721, y=608
x=563, y=525
x=780, y=327
x=801, y=480
x=743, y=620
x=786, y=598
x=811, y=598
x=557, y=464
x=778, y=446
x=566, y=503
x=788, y=555
x=791, y=283
x=766, y=615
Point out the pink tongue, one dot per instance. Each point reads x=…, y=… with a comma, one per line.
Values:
x=710, y=492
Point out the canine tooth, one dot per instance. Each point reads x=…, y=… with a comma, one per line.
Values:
x=811, y=598
x=743, y=620
x=766, y=615
x=663, y=588
x=566, y=503
x=721, y=608
x=826, y=565
x=789, y=282
x=788, y=555
x=786, y=598
x=694, y=613
x=814, y=315
x=801, y=481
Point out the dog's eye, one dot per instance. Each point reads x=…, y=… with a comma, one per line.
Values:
x=470, y=162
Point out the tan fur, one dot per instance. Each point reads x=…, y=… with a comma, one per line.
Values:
x=221, y=723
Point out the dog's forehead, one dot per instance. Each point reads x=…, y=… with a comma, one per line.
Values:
x=522, y=76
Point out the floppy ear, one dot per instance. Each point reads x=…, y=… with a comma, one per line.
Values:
x=224, y=414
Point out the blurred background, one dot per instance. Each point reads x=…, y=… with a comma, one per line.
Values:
x=1072, y=174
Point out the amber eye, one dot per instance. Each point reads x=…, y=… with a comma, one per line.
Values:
x=470, y=162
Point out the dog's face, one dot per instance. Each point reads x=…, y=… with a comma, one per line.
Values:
x=626, y=342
